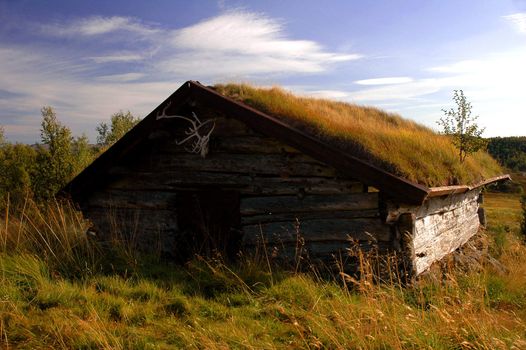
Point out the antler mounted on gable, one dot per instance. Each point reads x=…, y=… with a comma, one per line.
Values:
x=197, y=131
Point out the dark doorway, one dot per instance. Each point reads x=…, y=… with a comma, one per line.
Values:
x=210, y=224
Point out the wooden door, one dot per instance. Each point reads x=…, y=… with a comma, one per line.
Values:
x=209, y=221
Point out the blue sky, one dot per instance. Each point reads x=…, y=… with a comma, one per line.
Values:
x=90, y=59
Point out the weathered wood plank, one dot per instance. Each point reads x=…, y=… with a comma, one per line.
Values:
x=293, y=204
x=432, y=205
x=251, y=144
x=447, y=203
x=274, y=164
x=132, y=199
x=430, y=227
x=444, y=244
x=326, y=251
x=244, y=183
x=280, y=217
x=338, y=230
x=135, y=223
x=223, y=126
x=443, y=224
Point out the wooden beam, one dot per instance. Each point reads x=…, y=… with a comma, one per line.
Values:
x=293, y=204
x=335, y=230
x=400, y=188
x=446, y=190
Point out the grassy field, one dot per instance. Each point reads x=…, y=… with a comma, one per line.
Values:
x=59, y=290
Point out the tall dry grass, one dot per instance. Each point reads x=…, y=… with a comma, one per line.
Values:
x=253, y=305
x=385, y=139
x=54, y=231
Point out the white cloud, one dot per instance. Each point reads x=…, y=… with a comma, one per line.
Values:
x=117, y=57
x=35, y=79
x=94, y=26
x=242, y=43
x=328, y=94
x=384, y=81
x=122, y=77
x=500, y=75
x=79, y=82
x=397, y=92
x=460, y=67
x=233, y=45
x=518, y=20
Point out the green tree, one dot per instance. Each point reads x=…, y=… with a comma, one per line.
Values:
x=523, y=220
x=55, y=161
x=462, y=127
x=17, y=168
x=120, y=124
x=83, y=153
x=2, y=136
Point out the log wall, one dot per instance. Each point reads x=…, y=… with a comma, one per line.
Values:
x=288, y=203
x=284, y=194
x=440, y=226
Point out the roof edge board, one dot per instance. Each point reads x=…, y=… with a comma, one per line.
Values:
x=445, y=190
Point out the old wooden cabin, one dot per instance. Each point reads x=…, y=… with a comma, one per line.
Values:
x=206, y=173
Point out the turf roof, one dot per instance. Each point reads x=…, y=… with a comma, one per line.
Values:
x=386, y=140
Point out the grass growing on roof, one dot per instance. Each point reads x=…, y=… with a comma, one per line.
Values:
x=387, y=140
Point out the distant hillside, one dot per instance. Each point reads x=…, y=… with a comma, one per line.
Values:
x=509, y=151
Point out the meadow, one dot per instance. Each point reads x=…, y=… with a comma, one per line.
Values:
x=61, y=290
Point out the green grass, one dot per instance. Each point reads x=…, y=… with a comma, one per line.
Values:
x=387, y=140
x=139, y=303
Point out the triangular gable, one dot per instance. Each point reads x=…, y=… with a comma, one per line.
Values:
x=394, y=186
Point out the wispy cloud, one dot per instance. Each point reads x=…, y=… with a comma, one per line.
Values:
x=117, y=57
x=498, y=75
x=246, y=43
x=384, y=81
x=97, y=25
x=328, y=94
x=35, y=79
x=494, y=76
x=122, y=77
x=518, y=20
x=132, y=65
x=465, y=66
x=405, y=91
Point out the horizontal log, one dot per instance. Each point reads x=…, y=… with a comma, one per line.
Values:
x=132, y=199
x=280, y=217
x=433, y=205
x=447, y=203
x=137, y=221
x=230, y=127
x=427, y=229
x=251, y=144
x=326, y=251
x=244, y=183
x=335, y=230
x=445, y=243
x=273, y=164
x=222, y=126
x=293, y=204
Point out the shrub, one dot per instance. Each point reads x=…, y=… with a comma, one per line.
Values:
x=523, y=219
